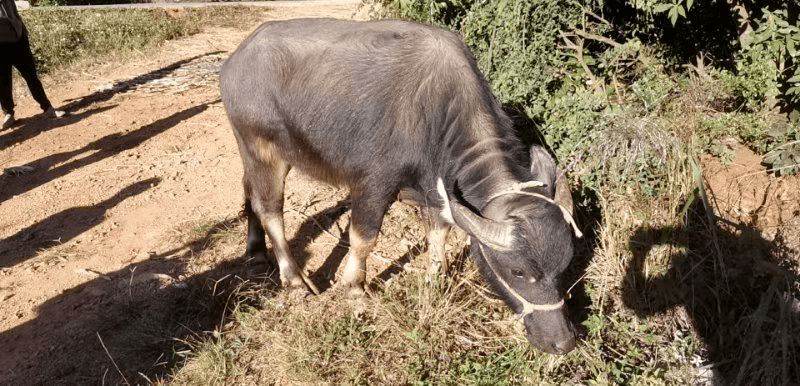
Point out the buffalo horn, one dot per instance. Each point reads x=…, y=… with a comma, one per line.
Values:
x=495, y=234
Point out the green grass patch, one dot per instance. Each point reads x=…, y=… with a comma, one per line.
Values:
x=63, y=37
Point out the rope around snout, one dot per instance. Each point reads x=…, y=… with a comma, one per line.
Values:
x=527, y=307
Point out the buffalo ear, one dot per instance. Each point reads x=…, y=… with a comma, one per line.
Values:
x=497, y=235
x=563, y=196
x=543, y=168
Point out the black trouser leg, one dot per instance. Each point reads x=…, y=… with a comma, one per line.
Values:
x=23, y=61
x=6, y=96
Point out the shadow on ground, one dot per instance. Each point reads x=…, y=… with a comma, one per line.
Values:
x=28, y=128
x=137, y=319
x=133, y=325
x=44, y=169
x=311, y=228
x=732, y=285
x=126, y=85
x=63, y=226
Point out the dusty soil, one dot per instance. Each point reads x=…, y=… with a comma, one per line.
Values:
x=103, y=212
x=745, y=193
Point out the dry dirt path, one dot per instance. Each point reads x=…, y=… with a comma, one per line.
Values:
x=93, y=252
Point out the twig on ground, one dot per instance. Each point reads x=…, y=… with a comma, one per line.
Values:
x=112, y=359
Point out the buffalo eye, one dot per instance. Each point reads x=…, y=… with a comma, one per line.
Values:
x=517, y=273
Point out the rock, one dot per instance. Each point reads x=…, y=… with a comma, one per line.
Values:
x=89, y=274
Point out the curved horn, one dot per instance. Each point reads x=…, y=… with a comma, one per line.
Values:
x=497, y=235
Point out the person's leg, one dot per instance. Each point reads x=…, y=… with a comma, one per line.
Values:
x=6, y=95
x=23, y=61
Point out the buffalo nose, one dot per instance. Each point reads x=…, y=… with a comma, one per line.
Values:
x=564, y=346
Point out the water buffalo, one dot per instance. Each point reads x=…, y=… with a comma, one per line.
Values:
x=389, y=107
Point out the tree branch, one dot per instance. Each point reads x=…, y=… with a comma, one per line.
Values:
x=591, y=36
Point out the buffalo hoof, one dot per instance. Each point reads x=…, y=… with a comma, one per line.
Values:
x=299, y=281
x=350, y=290
x=258, y=257
x=356, y=292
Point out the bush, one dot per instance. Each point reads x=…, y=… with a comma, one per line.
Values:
x=628, y=116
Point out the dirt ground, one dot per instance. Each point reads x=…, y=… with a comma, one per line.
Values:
x=745, y=193
x=94, y=208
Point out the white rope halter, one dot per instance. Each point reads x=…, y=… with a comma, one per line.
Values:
x=527, y=307
x=517, y=189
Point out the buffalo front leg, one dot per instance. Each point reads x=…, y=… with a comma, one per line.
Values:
x=365, y=224
x=355, y=269
x=437, y=236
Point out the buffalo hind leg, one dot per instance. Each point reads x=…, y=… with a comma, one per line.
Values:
x=365, y=224
x=256, y=242
x=264, y=195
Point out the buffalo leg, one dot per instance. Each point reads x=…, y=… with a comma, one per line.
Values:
x=256, y=242
x=365, y=224
x=265, y=197
x=437, y=236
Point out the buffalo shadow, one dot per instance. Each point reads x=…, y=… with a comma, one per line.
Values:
x=312, y=227
x=144, y=322
x=142, y=319
x=730, y=281
x=110, y=145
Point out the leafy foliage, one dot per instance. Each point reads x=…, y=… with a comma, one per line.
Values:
x=513, y=43
x=627, y=115
x=675, y=9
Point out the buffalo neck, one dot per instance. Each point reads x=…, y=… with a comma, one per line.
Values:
x=483, y=166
